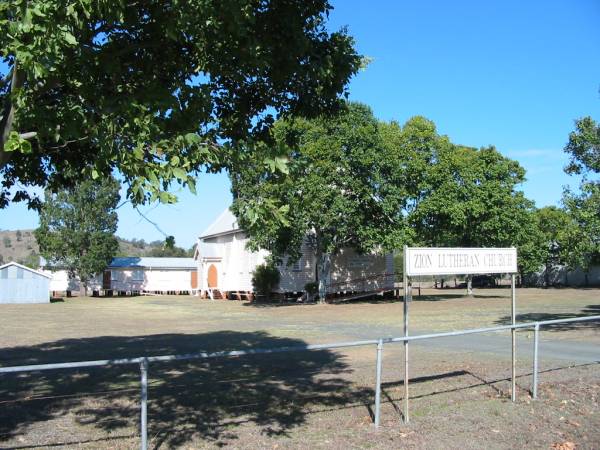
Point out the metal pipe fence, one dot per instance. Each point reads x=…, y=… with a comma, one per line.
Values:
x=144, y=362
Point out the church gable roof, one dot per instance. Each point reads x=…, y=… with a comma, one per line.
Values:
x=225, y=223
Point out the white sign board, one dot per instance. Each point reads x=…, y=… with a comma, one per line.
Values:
x=459, y=261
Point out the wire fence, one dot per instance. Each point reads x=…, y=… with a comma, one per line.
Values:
x=144, y=362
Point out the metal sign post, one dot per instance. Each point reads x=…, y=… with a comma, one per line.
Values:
x=513, y=333
x=405, y=313
x=419, y=261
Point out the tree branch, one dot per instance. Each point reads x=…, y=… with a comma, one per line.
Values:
x=67, y=143
x=29, y=135
x=151, y=222
x=8, y=113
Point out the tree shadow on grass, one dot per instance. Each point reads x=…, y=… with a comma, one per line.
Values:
x=590, y=310
x=188, y=400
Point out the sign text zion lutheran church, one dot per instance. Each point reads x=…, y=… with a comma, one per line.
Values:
x=463, y=261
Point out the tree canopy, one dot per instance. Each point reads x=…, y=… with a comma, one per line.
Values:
x=467, y=197
x=156, y=90
x=583, y=247
x=357, y=182
x=77, y=227
x=344, y=188
x=584, y=147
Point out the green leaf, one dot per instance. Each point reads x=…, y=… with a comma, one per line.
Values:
x=281, y=163
x=69, y=38
x=191, y=183
x=166, y=197
x=180, y=174
x=36, y=11
x=152, y=178
x=16, y=144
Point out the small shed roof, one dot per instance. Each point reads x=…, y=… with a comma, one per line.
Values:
x=225, y=223
x=12, y=263
x=152, y=263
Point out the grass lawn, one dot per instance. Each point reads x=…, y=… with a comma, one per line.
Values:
x=317, y=399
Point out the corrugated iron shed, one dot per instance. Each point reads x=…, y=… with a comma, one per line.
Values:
x=21, y=284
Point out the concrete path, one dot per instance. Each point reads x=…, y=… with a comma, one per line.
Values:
x=551, y=347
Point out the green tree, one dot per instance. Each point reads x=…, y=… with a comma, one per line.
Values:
x=584, y=147
x=466, y=197
x=344, y=188
x=157, y=90
x=583, y=247
x=169, y=249
x=556, y=226
x=77, y=228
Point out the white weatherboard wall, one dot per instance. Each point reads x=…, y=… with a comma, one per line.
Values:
x=129, y=279
x=223, y=245
x=235, y=265
x=143, y=274
x=463, y=261
x=61, y=281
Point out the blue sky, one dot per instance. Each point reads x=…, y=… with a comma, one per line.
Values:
x=512, y=74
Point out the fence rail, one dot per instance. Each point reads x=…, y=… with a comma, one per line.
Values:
x=144, y=361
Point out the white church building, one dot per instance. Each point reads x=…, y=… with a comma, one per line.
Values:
x=225, y=266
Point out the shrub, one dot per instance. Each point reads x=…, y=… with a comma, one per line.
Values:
x=265, y=278
x=311, y=289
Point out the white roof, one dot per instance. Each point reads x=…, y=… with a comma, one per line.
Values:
x=153, y=262
x=12, y=263
x=150, y=262
x=225, y=223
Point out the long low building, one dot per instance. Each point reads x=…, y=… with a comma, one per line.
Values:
x=134, y=275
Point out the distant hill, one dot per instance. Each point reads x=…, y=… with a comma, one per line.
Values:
x=20, y=246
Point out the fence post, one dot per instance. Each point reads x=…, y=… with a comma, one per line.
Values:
x=144, y=404
x=536, y=337
x=378, y=382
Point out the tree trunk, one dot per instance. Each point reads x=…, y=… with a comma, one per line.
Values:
x=546, y=275
x=520, y=279
x=324, y=267
x=469, y=285
x=83, y=288
x=8, y=113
